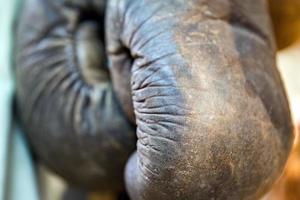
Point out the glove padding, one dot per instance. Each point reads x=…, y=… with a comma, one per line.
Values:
x=197, y=79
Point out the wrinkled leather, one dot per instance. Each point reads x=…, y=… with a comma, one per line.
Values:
x=65, y=96
x=197, y=78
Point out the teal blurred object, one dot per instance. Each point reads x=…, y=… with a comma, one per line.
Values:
x=17, y=175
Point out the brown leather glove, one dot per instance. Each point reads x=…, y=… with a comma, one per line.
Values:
x=211, y=115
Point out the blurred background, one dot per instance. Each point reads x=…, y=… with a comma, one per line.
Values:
x=286, y=22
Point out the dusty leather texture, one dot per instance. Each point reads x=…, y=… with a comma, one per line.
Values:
x=197, y=81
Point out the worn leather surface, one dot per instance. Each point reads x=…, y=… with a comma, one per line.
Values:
x=66, y=99
x=196, y=79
